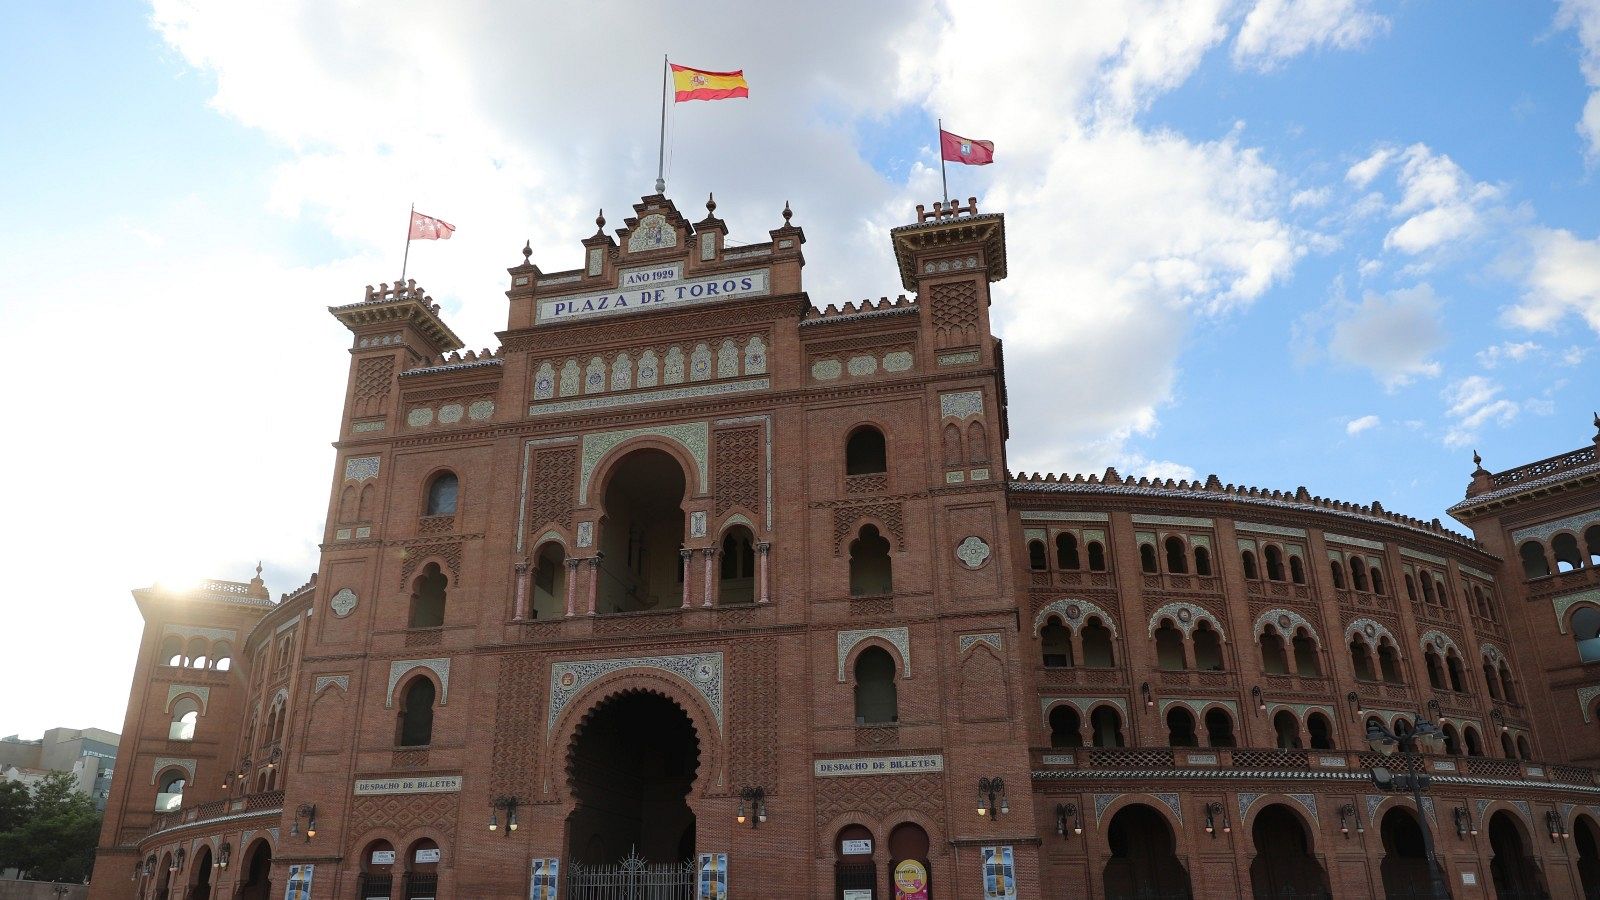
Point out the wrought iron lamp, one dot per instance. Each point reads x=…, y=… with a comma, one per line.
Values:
x=509, y=803
x=1346, y=813
x=1464, y=823
x=990, y=792
x=1212, y=811
x=755, y=799
x=308, y=812
x=1261, y=701
x=224, y=855
x=1065, y=811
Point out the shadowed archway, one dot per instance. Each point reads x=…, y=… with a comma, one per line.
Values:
x=1143, y=865
x=1284, y=867
x=631, y=765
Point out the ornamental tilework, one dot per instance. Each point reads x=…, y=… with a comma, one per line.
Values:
x=1171, y=800
x=826, y=369
x=1370, y=631
x=201, y=691
x=1439, y=641
x=1050, y=515
x=1287, y=621
x=342, y=682
x=399, y=667
x=1186, y=615
x=1270, y=529
x=1309, y=801
x=1567, y=601
x=961, y=404
x=1586, y=697
x=361, y=468
x=450, y=413
x=967, y=641
x=1075, y=613
x=166, y=762
x=964, y=358
x=701, y=671
x=343, y=602
x=420, y=417
x=1544, y=531
x=860, y=366
x=973, y=552
x=1082, y=704
x=613, y=401
x=1424, y=557
x=1353, y=541
x=1247, y=800
x=1176, y=521
x=480, y=410
x=1198, y=705
x=585, y=534
x=899, y=638
x=1101, y=801
x=190, y=631
x=898, y=361
x=694, y=436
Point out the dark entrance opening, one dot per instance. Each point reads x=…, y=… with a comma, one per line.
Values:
x=1583, y=834
x=201, y=888
x=853, y=868
x=642, y=534
x=1405, y=860
x=1284, y=867
x=258, y=873
x=1143, y=865
x=630, y=768
x=1516, y=875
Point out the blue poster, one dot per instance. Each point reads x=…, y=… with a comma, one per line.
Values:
x=713, y=881
x=299, y=882
x=544, y=884
x=999, y=874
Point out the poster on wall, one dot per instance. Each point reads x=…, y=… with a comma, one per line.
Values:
x=299, y=882
x=544, y=884
x=910, y=880
x=713, y=881
x=999, y=874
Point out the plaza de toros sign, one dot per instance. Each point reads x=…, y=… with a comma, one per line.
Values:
x=654, y=287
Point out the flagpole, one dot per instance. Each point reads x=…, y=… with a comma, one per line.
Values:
x=661, y=153
x=943, y=181
x=407, y=258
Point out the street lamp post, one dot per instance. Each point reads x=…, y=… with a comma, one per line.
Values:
x=1411, y=745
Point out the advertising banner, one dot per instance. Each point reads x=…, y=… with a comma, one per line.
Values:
x=713, y=881
x=999, y=874
x=544, y=884
x=299, y=882
x=910, y=880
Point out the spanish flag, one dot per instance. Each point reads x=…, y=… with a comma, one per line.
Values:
x=698, y=84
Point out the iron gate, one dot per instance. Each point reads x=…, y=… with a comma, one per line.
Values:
x=634, y=878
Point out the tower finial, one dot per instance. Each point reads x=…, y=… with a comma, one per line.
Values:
x=711, y=204
x=787, y=213
x=600, y=223
x=1476, y=459
x=527, y=251
x=1597, y=428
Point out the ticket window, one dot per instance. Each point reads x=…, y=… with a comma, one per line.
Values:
x=422, y=871
x=855, y=873
x=909, y=870
x=377, y=871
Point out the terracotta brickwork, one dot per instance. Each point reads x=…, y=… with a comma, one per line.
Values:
x=1151, y=679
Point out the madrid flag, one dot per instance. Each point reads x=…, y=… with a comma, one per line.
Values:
x=427, y=228
x=698, y=84
x=965, y=150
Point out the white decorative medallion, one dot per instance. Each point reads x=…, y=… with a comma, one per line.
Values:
x=343, y=602
x=973, y=552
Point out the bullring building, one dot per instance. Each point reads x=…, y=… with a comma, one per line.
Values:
x=693, y=588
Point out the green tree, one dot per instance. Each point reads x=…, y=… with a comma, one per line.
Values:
x=15, y=802
x=55, y=837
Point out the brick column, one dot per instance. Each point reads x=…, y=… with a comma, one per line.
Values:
x=710, y=554
x=763, y=551
x=686, y=556
x=572, y=587
x=594, y=579
x=521, y=612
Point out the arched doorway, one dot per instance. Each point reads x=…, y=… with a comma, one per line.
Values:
x=908, y=862
x=377, y=871
x=853, y=868
x=1143, y=865
x=1583, y=835
x=642, y=535
x=630, y=768
x=1516, y=875
x=257, y=881
x=1405, y=860
x=200, y=873
x=1284, y=866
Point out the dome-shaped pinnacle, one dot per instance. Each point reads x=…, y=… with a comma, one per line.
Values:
x=600, y=223
x=787, y=212
x=711, y=204
x=527, y=252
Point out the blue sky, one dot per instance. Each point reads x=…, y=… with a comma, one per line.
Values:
x=1338, y=244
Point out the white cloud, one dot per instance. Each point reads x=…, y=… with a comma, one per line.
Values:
x=1362, y=173
x=1473, y=402
x=1138, y=465
x=1508, y=351
x=1365, y=423
x=1563, y=278
x=1584, y=15
x=1276, y=30
x=1393, y=335
x=1310, y=197
x=1440, y=202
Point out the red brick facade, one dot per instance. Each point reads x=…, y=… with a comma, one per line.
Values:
x=652, y=555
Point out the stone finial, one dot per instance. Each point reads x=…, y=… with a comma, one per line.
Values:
x=787, y=212
x=527, y=252
x=711, y=204
x=1477, y=462
x=1597, y=428
x=600, y=223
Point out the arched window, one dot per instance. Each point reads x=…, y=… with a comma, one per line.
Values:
x=416, y=714
x=1591, y=540
x=1534, y=563
x=1452, y=741
x=1207, y=648
x=738, y=569
x=1107, y=727
x=1473, y=742
x=1249, y=560
x=1490, y=680
x=1306, y=662
x=1427, y=588
x=1177, y=556
x=1358, y=574
x=1505, y=682
x=1441, y=593
x=1458, y=676
x=1274, y=661
x=1065, y=728
x=1202, y=562
x=877, y=702
x=1435, y=669
x=865, y=452
x=1097, y=557
x=550, y=582
x=1565, y=547
x=1287, y=729
x=1067, y=551
x=871, y=572
x=1297, y=570
x=1096, y=640
x=1169, y=647
x=171, y=651
x=1321, y=731
x=1336, y=572
x=1507, y=748
x=185, y=715
x=1524, y=750
x=1274, y=563
x=442, y=493
x=1411, y=588
x=1376, y=574
x=428, y=598
x=1147, y=559
x=1180, y=728
x=221, y=656
x=1037, y=561
x=1361, y=660
x=1219, y=728
x=977, y=444
x=1389, y=662
x=1056, y=642
x=169, y=796
x=952, y=446
x=198, y=647
x=1586, y=632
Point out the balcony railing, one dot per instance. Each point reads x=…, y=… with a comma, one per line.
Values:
x=1259, y=759
x=264, y=802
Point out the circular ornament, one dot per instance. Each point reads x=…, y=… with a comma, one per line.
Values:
x=973, y=552
x=343, y=602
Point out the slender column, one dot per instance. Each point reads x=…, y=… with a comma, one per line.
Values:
x=763, y=551
x=710, y=554
x=1075, y=637
x=572, y=587
x=594, y=579
x=688, y=570
x=522, y=592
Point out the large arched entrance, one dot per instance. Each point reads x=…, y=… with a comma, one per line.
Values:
x=630, y=768
x=1405, y=859
x=257, y=882
x=1583, y=834
x=200, y=874
x=1516, y=875
x=1143, y=865
x=642, y=534
x=1284, y=866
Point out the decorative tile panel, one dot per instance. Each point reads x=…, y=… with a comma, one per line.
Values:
x=826, y=369
x=1051, y=515
x=1074, y=613
x=973, y=552
x=585, y=534
x=961, y=404
x=697, y=523
x=1186, y=616
x=694, y=436
x=964, y=358
x=1370, y=631
x=898, y=361
x=1353, y=541
x=637, y=398
x=399, y=667
x=991, y=638
x=1424, y=557
x=700, y=671
x=1270, y=529
x=450, y=413
x=201, y=691
x=481, y=410
x=1439, y=641
x=1175, y=521
x=1544, y=531
x=342, y=682
x=1586, y=697
x=1567, y=601
x=366, y=427
x=595, y=260
x=361, y=468
x=343, y=602
x=861, y=366
x=191, y=631
x=899, y=638
x=1287, y=621
x=166, y=762
x=420, y=417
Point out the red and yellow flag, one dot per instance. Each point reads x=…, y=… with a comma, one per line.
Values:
x=698, y=84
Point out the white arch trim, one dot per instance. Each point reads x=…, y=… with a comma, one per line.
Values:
x=1440, y=641
x=1287, y=621
x=898, y=638
x=202, y=692
x=1074, y=613
x=1186, y=615
x=400, y=667
x=1369, y=631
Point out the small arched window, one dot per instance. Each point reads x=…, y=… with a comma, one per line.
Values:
x=1249, y=560
x=871, y=572
x=169, y=795
x=1565, y=547
x=1320, y=730
x=1358, y=574
x=1505, y=683
x=221, y=656
x=1297, y=570
x=1586, y=632
x=1207, y=648
x=1473, y=742
x=1096, y=640
x=1056, y=643
x=1507, y=748
x=1107, y=727
x=1389, y=662
x=1306, y=662
x=952, y=446
x=428, y=598
x=1177, y=556
x=1287, y=729
x=1097, y=557
x=738, y=570
x=185, y=715
x=1037, y=561
x=1591, y=540
x=1490, y=681
x=1274, y=563
x=1067, y=551
x=1435, y=670
x=1524, y=749
x=1180, y=728
x=877, y=702
x=1066, y=730
x=1219, y=728
x=1361, y=660
x=416, y=714
x=1376, y=574
x=171, y=651
x=1147, y=559
x=1202, y=562
x=1452, y=740
x=1169, y=647
x=1458, y=675
x=1427, y=589
x=1534, y=563
x=442, y=493
x=1336, y=572
x=1411, y=588
x=1274, y=661
x=865, y=453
